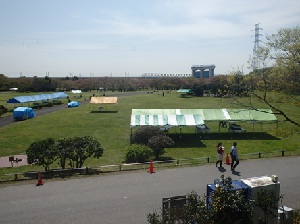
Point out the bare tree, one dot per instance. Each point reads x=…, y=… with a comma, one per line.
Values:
x=279, y=74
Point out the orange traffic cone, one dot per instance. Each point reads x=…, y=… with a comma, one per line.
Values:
x=227, y=160
x=151, y=170
x=40, y=181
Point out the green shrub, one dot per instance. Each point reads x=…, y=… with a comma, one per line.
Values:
x=225, y=206
x=144, y=133
x=3, y=110
x=138, y=153
x=159, y=143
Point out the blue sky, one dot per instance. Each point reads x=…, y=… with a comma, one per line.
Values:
x=131, y=37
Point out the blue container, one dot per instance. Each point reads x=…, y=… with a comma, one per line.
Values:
x=73, y=104
x=236, y=185
x=23, y=113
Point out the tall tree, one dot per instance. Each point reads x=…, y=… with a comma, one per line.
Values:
x=85, y=147
x=284, y=48
x=279, y=74
x=64, y=151
x=3, y=83
x=42, y=153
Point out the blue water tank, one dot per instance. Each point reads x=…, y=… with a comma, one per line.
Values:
x=23, y=113
x=236, y=185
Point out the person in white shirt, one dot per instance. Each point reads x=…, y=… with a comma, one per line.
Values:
x=234, y=156
x=220, y=150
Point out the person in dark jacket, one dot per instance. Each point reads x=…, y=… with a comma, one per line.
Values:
x=234, y=156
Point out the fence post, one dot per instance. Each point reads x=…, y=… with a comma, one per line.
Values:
x=207, y=159
x=259, y=155
x=120, y=167
x=16, y=176
x=282, y=152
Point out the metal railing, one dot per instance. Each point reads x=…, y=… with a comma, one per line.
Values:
x=54, y=173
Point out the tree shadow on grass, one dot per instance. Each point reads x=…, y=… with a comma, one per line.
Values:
x=195, y=140
x=240, y=136
x=187, y=141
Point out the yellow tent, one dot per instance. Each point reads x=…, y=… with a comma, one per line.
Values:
x=103, y=102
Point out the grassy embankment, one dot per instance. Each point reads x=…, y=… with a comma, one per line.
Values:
x=112, y=129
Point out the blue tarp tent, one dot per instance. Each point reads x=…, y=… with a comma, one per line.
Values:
x=40, y=97
x=23, y=113
x=73, y=104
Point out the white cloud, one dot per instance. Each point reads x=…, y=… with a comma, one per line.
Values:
x=147, y=36
x=202, y=19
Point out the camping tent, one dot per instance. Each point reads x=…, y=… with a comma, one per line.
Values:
x=23, y=113
x=99, y=101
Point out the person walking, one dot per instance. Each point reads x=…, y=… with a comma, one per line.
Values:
x=220, y=150
x=234, y=156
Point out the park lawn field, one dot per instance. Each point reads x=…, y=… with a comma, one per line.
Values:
x=5, y=96
x=112, y=129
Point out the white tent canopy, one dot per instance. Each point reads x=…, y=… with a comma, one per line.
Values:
x=170, y=120
x=76, y=91
x=194, y=117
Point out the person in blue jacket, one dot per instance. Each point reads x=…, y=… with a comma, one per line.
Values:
x=234, y=156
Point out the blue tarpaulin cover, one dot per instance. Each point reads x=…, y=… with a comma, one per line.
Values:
x=23, y=113
x=73, y=104
x=40, y=97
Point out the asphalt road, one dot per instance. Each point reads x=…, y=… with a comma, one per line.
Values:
x=128, y=197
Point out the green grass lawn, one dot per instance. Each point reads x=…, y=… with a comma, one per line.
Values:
x=112, y=129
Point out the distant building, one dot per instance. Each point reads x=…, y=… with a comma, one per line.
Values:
x=200, y=71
